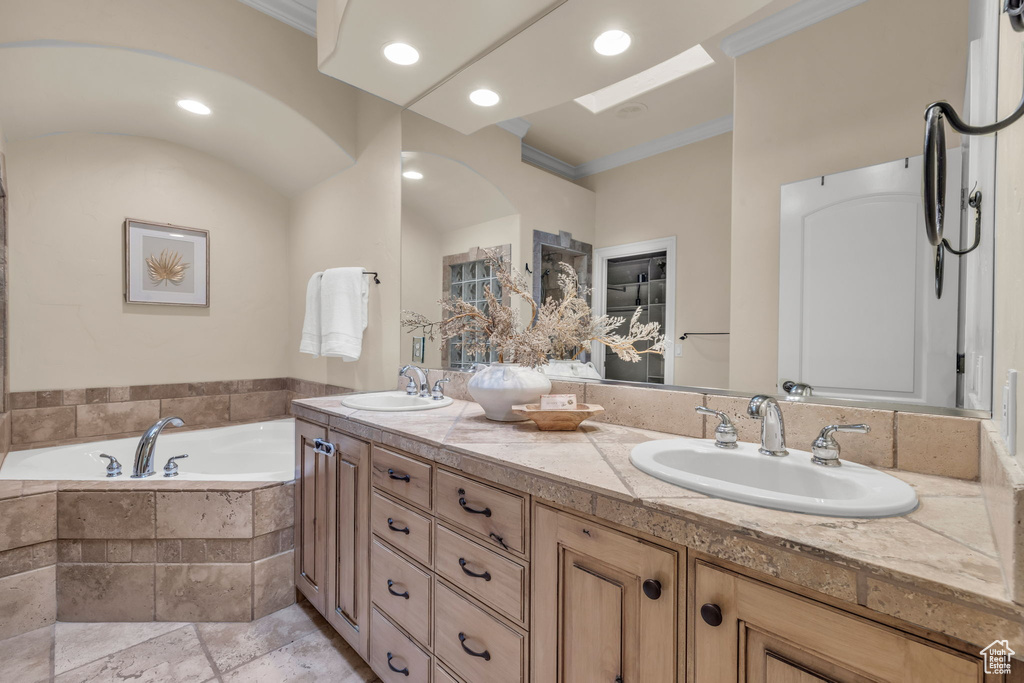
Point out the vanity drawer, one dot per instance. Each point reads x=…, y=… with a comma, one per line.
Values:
x=503, y=583
x=402, y=477
x=401, y=527
x=401, y=590
x=498, y=516
x=393, y=656
x=462, y=628
x=442, y=676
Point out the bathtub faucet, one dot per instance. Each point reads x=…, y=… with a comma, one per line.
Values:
x=147, y=445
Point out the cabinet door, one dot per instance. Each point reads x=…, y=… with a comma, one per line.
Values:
x=348, y=541
x=311, y=513
x=593, y=621
x=767, y=635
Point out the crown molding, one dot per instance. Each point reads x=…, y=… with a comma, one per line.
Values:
x=517, y=126
x=291, y=12
x=532, y=155
x=781, y=24
x=681, y=138
x=688, y=136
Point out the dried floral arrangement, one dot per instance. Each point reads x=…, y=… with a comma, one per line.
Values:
x=560, y=329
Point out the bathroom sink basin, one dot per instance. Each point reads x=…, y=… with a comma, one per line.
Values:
x=792, y=483
x=393, y=402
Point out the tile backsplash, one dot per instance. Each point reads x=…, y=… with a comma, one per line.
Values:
x=929, y=444
x=62, y=416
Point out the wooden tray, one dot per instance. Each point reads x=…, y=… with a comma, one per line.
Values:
x=558, y=420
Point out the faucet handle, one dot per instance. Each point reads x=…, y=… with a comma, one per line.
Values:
x=437, y=393
x=825, y=448
x=725, y=433
x=171, y=468
x=113, y=466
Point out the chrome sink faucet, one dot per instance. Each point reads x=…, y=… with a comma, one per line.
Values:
x=773, y=432
x=147, y=444
x=420, y=381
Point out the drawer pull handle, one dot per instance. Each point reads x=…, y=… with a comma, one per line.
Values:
x=399, y=477
x=404, y=672
x=711, y=614
x=323, y=447
x=485, y=655
x=499, y=539
x=396, y=593
x=486, y=576
x=486, y=512
x=391, y=525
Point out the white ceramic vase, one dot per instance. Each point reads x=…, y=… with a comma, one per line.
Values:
x=570, y=369
x=500, y=386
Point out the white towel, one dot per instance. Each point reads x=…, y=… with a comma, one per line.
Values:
x=344, y=293
x=311, y=323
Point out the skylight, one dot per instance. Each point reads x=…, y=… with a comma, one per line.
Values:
x=685, y=63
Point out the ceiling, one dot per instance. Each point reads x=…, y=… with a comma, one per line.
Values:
x=60, y=88
x=450, y=195
x=535, y=54
x=572, y=134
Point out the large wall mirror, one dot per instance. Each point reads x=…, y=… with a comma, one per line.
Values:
x=763, y=206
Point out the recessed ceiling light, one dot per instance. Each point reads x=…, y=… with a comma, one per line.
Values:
x=611, y=43
x=195, y=107
x=412, y=175
x=484, y=97
x=694, y=59
x=402, y=54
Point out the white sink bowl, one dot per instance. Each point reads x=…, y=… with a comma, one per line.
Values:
x=792, y=483
x=392, y=402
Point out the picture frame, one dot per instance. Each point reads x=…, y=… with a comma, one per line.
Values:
x=166, y=264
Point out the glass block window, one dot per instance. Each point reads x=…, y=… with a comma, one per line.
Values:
x=467, y=282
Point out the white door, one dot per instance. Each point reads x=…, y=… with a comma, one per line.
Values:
x=977, y=268
x=858, y=315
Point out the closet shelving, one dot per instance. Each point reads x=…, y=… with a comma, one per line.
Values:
x=632, y=282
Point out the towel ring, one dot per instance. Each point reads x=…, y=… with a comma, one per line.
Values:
x=934, y=189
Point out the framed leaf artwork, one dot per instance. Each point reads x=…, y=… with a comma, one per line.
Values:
x=166, y=264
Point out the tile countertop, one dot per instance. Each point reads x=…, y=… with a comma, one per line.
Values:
x=936, y=567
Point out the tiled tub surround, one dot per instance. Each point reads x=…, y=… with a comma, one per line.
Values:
x=936, y=568
x=143, y=551
x=51, y=418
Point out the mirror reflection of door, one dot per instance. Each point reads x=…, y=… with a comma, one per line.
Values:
x=628, y=278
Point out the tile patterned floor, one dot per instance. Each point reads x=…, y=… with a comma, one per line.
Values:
x=293, y=645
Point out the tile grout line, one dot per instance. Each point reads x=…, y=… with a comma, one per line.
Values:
x=206, y=651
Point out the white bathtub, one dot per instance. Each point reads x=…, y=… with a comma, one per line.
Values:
x=262, y=451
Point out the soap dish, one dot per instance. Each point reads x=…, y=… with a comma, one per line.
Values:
x=558, y=420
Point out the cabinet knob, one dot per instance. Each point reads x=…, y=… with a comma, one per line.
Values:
x=711, y=614
x=652, y=588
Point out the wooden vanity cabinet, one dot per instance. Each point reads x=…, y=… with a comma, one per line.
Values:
x=332, y=528
x=745, y=630
x=311, y=513
x=605, y=604
x=348, y=540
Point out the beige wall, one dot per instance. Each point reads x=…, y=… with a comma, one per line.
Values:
x=684, y=193
x=544, y=201
x=70, y=325
x=224, y=35
x=845, y=93
x=1009, y=285
x=421, y=281
x=354, y=219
